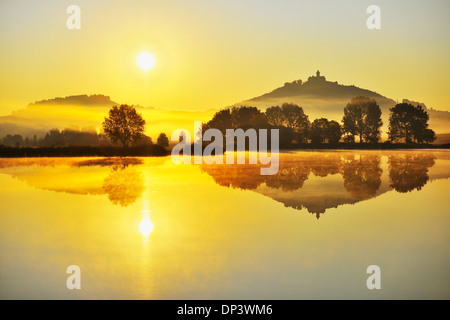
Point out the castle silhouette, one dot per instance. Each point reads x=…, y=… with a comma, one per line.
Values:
x=317, y=78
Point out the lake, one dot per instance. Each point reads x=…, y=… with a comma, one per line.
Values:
x=145, y=228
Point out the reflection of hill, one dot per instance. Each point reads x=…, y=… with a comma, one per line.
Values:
x=315, y=181
x=319, y=181
x=120, y=178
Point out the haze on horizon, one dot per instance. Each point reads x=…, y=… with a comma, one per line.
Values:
x=211, y=54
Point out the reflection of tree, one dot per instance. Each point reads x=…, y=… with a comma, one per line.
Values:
x=288, y=178
x=113, y=161
x=326, y=164
x=362, y=176
x=409, y=171
x=242, y=176
x=291, y=175
x=124, y=185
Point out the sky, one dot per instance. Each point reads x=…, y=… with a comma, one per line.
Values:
x=214, y=53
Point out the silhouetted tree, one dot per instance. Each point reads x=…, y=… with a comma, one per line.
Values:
x=13, y=140
x=162, y=140
x=333, y=132
x=372, y=122
x=221, y=120
x=317, y=132
x=322, y=130
x=182, y=137
x=296, y=119
x=409, y=124
x=352, y=122
x=143, y=141
x=123, y=124
x=68, y=137
x=53, y=138
x=34, y=142
x=362, y=117
x=246, y=117
x=275, y=116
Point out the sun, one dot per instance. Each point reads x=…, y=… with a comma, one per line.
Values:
x=146, y=61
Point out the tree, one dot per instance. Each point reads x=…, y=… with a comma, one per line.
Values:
x=123, y=125
x=373, y=122
x=409, y=124
x=53, y=138
x=322, y=130
x=275, y=116
x=352, y=122
x=333, y=132
x=162, y=140
x=246, y=117
x=296, y=119
x=221, y=120
x=362, y=117
x=34, y=142
x=318, y=130
x=13, y=140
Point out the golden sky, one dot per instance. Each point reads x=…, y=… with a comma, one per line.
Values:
x=212, y=53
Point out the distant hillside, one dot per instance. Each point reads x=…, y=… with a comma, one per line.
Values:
x=80, y=111
x=318, y=97
x=87, y=112
x=84, y=99
x=317, y=86
x=322, y=98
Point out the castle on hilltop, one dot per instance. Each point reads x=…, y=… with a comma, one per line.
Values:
x=317, y=78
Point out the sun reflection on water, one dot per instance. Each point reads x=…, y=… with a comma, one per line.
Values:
x=146, y=226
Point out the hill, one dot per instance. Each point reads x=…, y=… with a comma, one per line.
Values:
x=87, y=112
x=322, y=98
x=318, y=97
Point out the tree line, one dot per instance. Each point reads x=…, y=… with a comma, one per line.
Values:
x=361, y=123
x=361, y=120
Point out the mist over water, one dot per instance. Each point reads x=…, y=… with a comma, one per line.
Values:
x=144, y=228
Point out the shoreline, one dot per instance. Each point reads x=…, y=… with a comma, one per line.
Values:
x=158, y=151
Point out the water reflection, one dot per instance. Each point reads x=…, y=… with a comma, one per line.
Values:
x=334, y=178
x=315, y=181
x=146, y=226
x=409, y=171
x=124, y=184
x=362, y=175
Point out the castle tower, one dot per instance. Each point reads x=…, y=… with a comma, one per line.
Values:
x=317, y=79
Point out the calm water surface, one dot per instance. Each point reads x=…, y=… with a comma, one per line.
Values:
x=144, y=228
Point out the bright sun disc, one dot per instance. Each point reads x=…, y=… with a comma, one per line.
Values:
x=146, y=61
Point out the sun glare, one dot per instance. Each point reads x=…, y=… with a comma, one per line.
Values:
x=146, y=226
x=146, y=61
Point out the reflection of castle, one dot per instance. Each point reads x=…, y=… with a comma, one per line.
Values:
x=356, y=177
x=318, y=78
